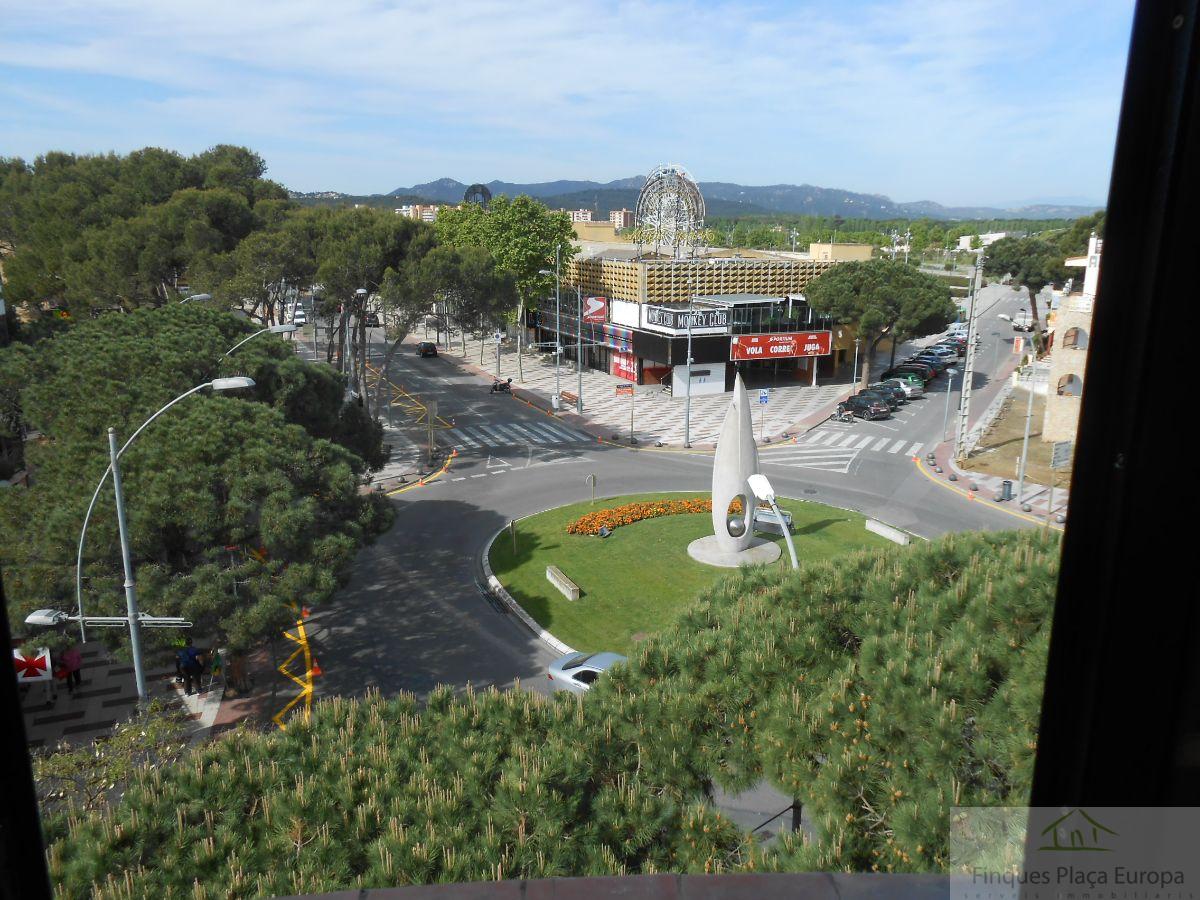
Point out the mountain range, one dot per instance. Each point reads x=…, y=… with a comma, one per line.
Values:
x=726, y=199
x=721, y=199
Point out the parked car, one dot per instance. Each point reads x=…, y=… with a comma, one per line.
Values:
x=868, y=407
x=919, y=370
x=958, y=345
x=426, y=348
x=766, y=520
x=908, y=377
x=371, y=320
x=886, y=396
x=942, y=351
x=577, y=672
x=931, y=360
x=958, y=329
x=894, y=390
x=912, y=389
x=299, y=317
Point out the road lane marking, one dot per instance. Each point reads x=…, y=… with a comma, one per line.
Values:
x=880, y=443
x=896, y=446
x=863, y=442
x=915, y=449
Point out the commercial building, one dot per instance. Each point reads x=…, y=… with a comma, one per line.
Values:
x=986, y=240
x=840, y=252
x=745, y=315
x=581, y=215
x=1070, y=328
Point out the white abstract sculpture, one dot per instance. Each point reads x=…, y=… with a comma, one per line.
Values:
x=735, y=461
x=732, y=542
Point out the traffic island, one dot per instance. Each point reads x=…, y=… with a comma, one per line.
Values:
x=639, y=578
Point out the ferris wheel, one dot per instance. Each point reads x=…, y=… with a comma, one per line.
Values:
x=670, y=212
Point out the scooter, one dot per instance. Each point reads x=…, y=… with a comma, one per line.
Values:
x=501, y=387
x=841, y=414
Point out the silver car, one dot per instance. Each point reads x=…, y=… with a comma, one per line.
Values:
x=910, y=390
x=577, y=672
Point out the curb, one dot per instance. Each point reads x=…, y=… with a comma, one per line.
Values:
x=507, y=599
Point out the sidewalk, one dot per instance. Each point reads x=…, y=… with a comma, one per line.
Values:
x=658, y=417
x=1035, y=501
x=107, y=695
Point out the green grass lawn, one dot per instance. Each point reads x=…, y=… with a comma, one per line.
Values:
x=638, y=579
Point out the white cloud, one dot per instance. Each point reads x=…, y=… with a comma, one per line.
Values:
x=901, y=97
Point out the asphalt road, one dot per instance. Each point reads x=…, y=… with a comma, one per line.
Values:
x=414, y=613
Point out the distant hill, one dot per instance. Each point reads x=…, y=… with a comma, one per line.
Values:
x=727, y=199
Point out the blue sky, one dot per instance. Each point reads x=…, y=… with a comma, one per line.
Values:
x=998, y=102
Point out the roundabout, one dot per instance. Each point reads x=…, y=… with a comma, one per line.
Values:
x=639, y=578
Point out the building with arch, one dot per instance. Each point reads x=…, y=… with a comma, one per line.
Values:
x=1070, y=336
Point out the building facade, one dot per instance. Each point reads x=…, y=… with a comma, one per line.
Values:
x=581, y=215
x=746, y=315
x=1070, y=330
x=840, y=252
x=419, y=212
x=621, y=218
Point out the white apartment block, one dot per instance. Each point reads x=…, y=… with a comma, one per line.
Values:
x=419, y=212
x=581, y=215
x=621, y=218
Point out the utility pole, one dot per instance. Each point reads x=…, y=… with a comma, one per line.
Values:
x=131, y=607
x=579, y=351
x=1025, y=442
x=968, y=375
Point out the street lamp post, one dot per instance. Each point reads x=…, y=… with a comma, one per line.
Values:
x=579, y=352
x=763, y=491
x=950, y=373
x=557, y=399
x=201, y=297
x=274, y=329
x=217, y=384
x=687, y=397
x=857, y=341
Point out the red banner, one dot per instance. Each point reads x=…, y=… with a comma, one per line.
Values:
x=624, y=365
x=595, y=310
x=781, y=346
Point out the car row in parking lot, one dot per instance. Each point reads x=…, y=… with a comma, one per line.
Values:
x=907, y=379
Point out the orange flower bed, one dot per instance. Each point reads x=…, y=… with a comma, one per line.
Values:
x=636, y=512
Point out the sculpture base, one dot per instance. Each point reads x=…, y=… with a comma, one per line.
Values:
x=706, y=550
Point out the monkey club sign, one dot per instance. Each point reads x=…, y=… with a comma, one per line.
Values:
x=780, y=346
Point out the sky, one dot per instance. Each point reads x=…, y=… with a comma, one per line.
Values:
x=964, y=102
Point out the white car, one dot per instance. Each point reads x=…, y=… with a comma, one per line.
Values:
x=577, y=672
x=299, y=317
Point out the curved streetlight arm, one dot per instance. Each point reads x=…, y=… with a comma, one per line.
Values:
x=243, y=340
x=95, y=494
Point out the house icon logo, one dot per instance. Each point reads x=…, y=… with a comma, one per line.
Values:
x=1077, y=831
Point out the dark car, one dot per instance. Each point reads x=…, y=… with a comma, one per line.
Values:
x=371, y=320
x=934, y=362
x=885, y=396
x=426, y=348
x=868, y=407
x=894, y=390
x=925, y=373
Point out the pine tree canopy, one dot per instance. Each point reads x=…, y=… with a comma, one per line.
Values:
x=879, y=690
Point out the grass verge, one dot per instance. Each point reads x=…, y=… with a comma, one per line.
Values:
x=637, y=580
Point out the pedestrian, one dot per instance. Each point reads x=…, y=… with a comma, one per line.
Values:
x=191, y=663
x=72, y=661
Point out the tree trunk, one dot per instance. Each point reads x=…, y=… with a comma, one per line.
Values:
x=387, y=361
x=520, y=337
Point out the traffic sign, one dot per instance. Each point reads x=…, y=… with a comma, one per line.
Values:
x=764, y=396
x=624, y=390
x=1060, y=456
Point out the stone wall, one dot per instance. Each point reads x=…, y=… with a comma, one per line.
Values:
x=1068, y=360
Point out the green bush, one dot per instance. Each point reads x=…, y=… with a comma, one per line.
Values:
x=879, y=691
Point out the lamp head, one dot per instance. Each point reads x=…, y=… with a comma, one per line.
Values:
x=761, y=487
x=234, y=383
x=283, y=329
x=46, y=618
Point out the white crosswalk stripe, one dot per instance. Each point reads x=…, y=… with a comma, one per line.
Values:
x=829, y=460
x=863, y=442
x=915, y=449
x=510, y=433
x=896, y=446
x=880, y=443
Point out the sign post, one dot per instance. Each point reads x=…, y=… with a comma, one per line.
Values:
x=431, y=411
x=764, y=397
x=626, y=390
x=1060, y=456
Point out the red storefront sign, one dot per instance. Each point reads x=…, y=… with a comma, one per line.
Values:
x=624, y=365
x=595, y=310
x=780, y=346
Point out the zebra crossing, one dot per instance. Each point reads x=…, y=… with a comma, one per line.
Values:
x=832, y=450
x=508, y=434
